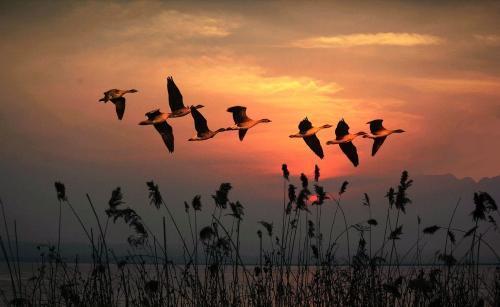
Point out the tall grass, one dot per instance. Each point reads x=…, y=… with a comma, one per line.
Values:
x=301, y=262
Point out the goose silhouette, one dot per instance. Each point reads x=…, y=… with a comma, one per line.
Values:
x=242, y=122
x=379, y=134
x=158, y=120
x=116, y=97
x=200, y=124
x=176, y=101
x=344, y=139
x=308, y=133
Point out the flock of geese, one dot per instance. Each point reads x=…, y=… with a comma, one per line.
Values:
x=242, y=123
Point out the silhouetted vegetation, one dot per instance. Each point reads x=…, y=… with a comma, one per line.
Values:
x=301, y=257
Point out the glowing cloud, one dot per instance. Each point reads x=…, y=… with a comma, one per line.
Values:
x=183, y=25
x=477, y=85
x=363, y=39
x=225, y=75
x=490, y=39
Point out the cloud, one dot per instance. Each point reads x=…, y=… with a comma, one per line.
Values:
x=456, y=85
x=229, y=76
x=368, y=39
x=489, y=39
x=183, y=25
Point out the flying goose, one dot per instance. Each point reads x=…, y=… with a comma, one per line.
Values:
x=158, y=120
x=116, y=97
x=200, y=124
x=344, y=139
x=175, y=100
x=378, y=134
x=242, y=121
x=308, y=133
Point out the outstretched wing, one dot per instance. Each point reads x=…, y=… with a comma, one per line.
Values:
x=351, y=152
x=242, y=133
x=376, y=125
x=313, y=143
x=200, y=123
x=120, y=106
x=304, y=125
x=174, y=95
x=239, y=114
x=342, y=129
x=167, y=135
x=377, y=142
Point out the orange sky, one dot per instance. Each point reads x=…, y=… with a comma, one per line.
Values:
x=432, y=70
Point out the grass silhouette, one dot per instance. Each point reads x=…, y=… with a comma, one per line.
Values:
x=298, y=259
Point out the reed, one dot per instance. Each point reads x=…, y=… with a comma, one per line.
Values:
x=301, y=260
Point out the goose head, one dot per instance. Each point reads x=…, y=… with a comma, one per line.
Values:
x=361, y=133
x=198, y=106
x=265, y=120
x=133, y=90
x=326, y=126
x=398, y=131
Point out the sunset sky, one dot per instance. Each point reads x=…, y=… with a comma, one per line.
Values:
x=430, y=69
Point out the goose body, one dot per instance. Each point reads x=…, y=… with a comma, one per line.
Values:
x=379, y=134
x=344, y=139
x=308, y=133
x=116, y=97
x=200, y=124
x=158, y=120
x=242, y=122
x=175, y=100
